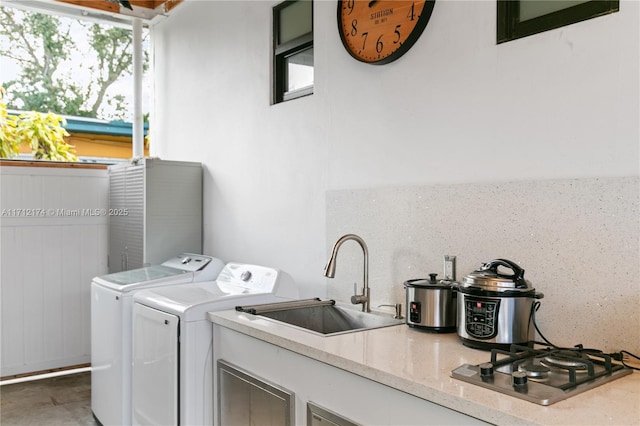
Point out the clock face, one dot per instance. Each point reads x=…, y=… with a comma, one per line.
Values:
x=380, y=31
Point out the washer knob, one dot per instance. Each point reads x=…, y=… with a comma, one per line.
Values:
x=518, y=378
x=245, y=276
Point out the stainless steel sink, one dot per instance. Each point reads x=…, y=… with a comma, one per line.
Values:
x=321, y=317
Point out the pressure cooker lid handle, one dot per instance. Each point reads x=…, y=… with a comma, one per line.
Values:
x=518, y=272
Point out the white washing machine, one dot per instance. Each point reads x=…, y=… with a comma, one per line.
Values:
x=172, y=341
x=111, y=327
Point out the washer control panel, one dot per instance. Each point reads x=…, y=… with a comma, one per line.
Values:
x=251, y=277
x=188, y=262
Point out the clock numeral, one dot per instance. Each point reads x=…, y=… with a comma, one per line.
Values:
x=412, y=14
x=354, y=28
x=397, y=33
x=364, y=41
x=350, y=6
x=379, y=44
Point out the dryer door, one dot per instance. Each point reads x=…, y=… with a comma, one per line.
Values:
x=155, y=366
x=109, y=398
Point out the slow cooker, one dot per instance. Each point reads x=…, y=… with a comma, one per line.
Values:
x=431, y=304
x=495, y=309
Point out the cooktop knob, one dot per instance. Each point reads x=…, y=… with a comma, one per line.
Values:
x=518, y=378
x=486, y=369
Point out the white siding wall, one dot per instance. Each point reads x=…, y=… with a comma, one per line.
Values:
x=48, y=257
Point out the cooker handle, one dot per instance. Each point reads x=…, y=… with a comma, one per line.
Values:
x=518, y=272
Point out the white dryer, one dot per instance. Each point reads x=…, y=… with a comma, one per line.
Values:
x=172, y=341
x=111, y=327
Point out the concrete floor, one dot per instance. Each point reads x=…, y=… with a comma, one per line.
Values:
x=62, y=400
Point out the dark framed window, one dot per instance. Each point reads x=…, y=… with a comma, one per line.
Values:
x=521, y=18
x=292, y=50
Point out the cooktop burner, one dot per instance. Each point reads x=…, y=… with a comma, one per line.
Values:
x=566, y=358
x=543, y=376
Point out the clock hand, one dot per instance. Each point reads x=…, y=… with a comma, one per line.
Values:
x=372, y=2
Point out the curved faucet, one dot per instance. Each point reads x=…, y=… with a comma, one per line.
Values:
x=330, y=270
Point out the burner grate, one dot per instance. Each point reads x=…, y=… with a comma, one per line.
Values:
x=509, y=372
x=579, y=366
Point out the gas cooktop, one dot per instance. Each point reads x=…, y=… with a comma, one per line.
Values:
x=543, y=376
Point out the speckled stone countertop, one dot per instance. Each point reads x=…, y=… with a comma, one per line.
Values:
x=420, y=364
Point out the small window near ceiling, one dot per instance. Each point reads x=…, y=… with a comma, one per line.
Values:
x=521, y=18
x=293, y=50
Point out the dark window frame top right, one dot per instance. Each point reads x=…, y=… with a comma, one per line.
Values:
x=512, y=25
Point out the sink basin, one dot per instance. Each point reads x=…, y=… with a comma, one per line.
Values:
x=324, y=317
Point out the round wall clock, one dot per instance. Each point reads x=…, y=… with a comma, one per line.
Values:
x=380, y=31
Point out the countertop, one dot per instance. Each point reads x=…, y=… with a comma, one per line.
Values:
x=420, y=363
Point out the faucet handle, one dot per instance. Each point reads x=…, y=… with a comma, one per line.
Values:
x=358, y=299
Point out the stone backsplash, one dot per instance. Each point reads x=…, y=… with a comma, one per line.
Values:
x=577, y=239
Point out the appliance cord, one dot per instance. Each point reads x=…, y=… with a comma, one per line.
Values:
x=618, y=356
x=534, y=309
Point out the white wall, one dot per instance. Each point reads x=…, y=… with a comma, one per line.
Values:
x=457, y=108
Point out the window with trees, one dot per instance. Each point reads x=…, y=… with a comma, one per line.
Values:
x=521, y=18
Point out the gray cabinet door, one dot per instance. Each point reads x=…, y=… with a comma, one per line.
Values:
x=246, y=400
x=126, y=217
x=155, y=211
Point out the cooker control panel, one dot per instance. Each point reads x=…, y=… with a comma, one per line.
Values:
x=481, y=317
x=415, y=309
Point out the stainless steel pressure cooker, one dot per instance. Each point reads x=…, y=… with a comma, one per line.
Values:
x=495, y=309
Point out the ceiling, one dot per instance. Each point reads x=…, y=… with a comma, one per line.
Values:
x=112, y=11
x=141, y=8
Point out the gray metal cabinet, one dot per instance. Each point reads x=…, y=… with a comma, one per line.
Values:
x=244, y=399
x=319, y=416
x=155, y=211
